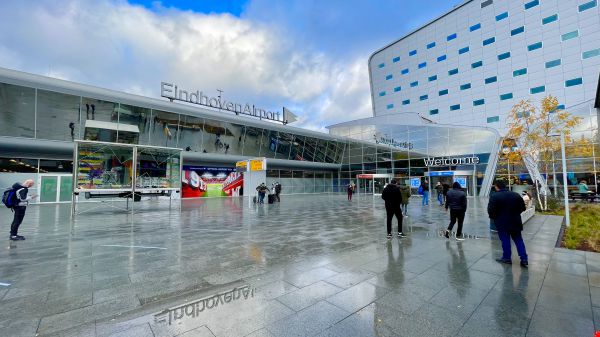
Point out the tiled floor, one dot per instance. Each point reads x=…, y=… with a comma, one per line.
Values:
x=308, y=266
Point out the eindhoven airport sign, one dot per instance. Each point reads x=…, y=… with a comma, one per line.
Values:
x=433, y=162
x=392, y=142
x=172, y=92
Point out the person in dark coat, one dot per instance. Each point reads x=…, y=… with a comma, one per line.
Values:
x=22, y=201
x=456, y=201
x=505, y=208
x=393, y=198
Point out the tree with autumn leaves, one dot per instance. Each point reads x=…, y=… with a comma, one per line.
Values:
x=535, y=130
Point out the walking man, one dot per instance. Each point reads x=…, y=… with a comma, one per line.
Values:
x=425, y=188
x=505, y=208
x=350, y=190
x=20, y=202
x=262, y=191
x=440, y=193
x=393, y=198
x=456, y=201
x=277, y=191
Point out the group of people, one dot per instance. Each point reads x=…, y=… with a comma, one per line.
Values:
x=262, y=190
x=504, y=208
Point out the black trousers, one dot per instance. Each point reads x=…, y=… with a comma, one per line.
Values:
x=391, y=211
x=457, y=214
x=17, y=220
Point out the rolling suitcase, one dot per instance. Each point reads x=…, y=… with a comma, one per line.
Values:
x=271, y=198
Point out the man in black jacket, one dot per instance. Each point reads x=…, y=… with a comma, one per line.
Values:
x=21, y=191
x=505, y=208
x=456, y=201
x=393, y=198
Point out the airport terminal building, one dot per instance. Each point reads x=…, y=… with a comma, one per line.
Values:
x=41, y=118
x=472, y=64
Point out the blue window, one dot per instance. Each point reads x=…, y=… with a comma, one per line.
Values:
x=434, y=112
x=517, y=31
x=431, y=45
x=501, y=16
x=506, y=96
x=587, y=5
x=432, y=78
x=404, y=71
x=549, y=19
x=537, y=90
x=454, y=107
x=489, y=41
x=491, y=79
x=503, y=56
x=381, y=94
x=560, y=107
x=590, y=53
x=452, y=71
x=532, y=4
x=389, y=77
x=463, y=50
x=478, y=102
x=396, y=89
x=443, y=92
x=381, y=65
x=414, y=84
x=465, y=86
x=412, y=52
x=519, y=72
x=390, y=106
x=493, y=119
x=534, y=46
x=475, y=27
x=476, y=64
x=570, y=35
x=573, y=82
x=396, y=59
x=553, y=63
x=423, y=97
x=406, y=102
x=422, y=65
x=451, y=37
x=441, y=58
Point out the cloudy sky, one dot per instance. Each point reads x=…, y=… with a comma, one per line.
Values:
x=310, y=56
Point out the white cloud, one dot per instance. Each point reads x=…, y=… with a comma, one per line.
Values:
x=117, y=45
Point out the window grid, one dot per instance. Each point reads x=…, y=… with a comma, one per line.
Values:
x=389, y=77
x=491, y=79
x=553, y=63
x=441, y=58
x=506, y=96
x=475, y=27
x=590, y=53
x=569, y=35
x=534, y=46
x=531, y=4
x=406, y=102
x=404, y=71
x=451, y=37
x=443, y=92
x=549, y=19
x=381, y=65
x=489, y=41
x=432, y=78
x=493, y=119
x=501, y=16
x=381, y=94
x=390, y=106
x=422, y=65
x=431, y=45
x=478, y=102
x=537, y=90
x=465, y=86
x=463, y=50
x=396, y=59
x=452, y=71
x=412, y=52
x=519, y=72
x=517, y=31
x=396, y=89
x=503, y=56
x=455, y=107
x=423, y=97
x=476, y=64
x=573, y=82
x=434, y=111
x=414, y=84
x=588, y=5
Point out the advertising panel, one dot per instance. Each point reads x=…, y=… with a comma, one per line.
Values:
x=201, y=181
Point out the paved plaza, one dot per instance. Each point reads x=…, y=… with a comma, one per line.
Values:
x=312, y=265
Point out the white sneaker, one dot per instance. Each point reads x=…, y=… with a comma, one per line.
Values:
x=460, y=238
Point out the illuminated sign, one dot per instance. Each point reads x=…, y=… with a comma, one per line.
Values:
x=241, y=166
x=432, y=162
x=258, y=164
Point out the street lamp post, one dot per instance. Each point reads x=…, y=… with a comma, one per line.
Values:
x=564, y=169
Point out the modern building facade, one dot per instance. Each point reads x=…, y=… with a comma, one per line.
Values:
x=41, y=117
x=472, y=64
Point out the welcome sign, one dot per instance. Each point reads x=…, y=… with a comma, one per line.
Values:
x=445, y=161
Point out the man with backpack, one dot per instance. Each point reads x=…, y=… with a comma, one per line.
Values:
x=17, y=199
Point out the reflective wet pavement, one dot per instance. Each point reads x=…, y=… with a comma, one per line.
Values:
x=309, y=266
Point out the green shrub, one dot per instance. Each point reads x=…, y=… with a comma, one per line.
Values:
x=584, y=232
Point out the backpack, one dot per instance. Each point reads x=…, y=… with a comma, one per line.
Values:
x=420, y=190
x=9, y=198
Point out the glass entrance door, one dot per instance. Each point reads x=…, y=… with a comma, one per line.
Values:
x=55, y=187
